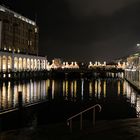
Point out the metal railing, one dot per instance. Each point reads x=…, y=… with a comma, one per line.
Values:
x=69, y=121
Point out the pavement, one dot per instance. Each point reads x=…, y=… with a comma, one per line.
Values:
x=124, y=129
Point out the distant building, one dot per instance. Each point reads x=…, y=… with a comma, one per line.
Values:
x=17, y=33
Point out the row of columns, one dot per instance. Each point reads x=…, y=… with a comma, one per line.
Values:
x=19, y=62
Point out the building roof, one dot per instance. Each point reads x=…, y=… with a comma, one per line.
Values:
x=16, y=15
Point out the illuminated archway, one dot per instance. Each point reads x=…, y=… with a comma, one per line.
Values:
x=24, y=64
x=32, y=64
x=4, y=63
x=43, y=64
x=20, y=64
x=15, y=63
x=38, y=64
x=35, y=64
x=28, y=64
x=9, y=62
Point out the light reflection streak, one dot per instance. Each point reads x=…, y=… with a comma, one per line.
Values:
x=104, y=88
x=99, y=88
x=72, y=87
x=53, y=89
x=75, y=88
x=66, y=89
x=119, y=87
x=82, y=88
x=35, y=91
x=90, y=89
x=9, y=95
x=96, y=88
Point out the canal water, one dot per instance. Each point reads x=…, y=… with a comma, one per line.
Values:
x=65, y=97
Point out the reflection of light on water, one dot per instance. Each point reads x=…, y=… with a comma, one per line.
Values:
x=90, y=89
x=15, y=95
x=47, y=86
x=64, y=86
x=96, y=88
x=19, y=87
x=82, y=88
x=4, y=96
x=53, y=89
x=28, y=93
x=37, y=90
x=43, y=90
x=72, y=86
x=75, y=88
x=104, y=88
x=138, y=106
x=119, y=88
x=124, y=87
x=133, y=97
x=99, y=88
x=31, y=91
x=9, y=95
x=24, y=92
x=128, y=91
x=122, y=75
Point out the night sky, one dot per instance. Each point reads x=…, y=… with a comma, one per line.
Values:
x=83, y=30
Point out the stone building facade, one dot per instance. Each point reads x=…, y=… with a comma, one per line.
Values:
x=17, y=33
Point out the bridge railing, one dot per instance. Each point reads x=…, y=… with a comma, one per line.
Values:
x=69, y=121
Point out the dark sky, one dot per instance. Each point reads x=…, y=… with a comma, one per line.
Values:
x=83, y=30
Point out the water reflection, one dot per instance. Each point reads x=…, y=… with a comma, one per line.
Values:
x=72, y=90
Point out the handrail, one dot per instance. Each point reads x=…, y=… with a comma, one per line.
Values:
x=69, y=120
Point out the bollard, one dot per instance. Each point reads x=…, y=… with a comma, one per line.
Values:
x=49, y=93
x=20, y=99
x=20, y=112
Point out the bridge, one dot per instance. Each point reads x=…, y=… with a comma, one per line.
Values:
x=87, y=72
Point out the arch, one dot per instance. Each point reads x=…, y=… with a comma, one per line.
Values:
x=38, y=64
x=35, y=64
x=24, y=64
x=4, y=63
x=9, y=63
x=20, y=64
x=28, y=64
x=43, y=64
x=15, y=63
x=31, y=64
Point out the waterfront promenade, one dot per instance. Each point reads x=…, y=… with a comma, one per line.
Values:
x=126, y=129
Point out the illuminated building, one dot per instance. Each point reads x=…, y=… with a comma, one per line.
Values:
x=17, y=33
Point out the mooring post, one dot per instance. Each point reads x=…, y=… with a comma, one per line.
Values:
x=93, y=117
x=20, y=112
x=81, y=122
x=20, y=99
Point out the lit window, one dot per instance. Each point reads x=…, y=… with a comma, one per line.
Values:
x=30, y=42
x=35, y=30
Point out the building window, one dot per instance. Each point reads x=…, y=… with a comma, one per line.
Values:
x=35, y=30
